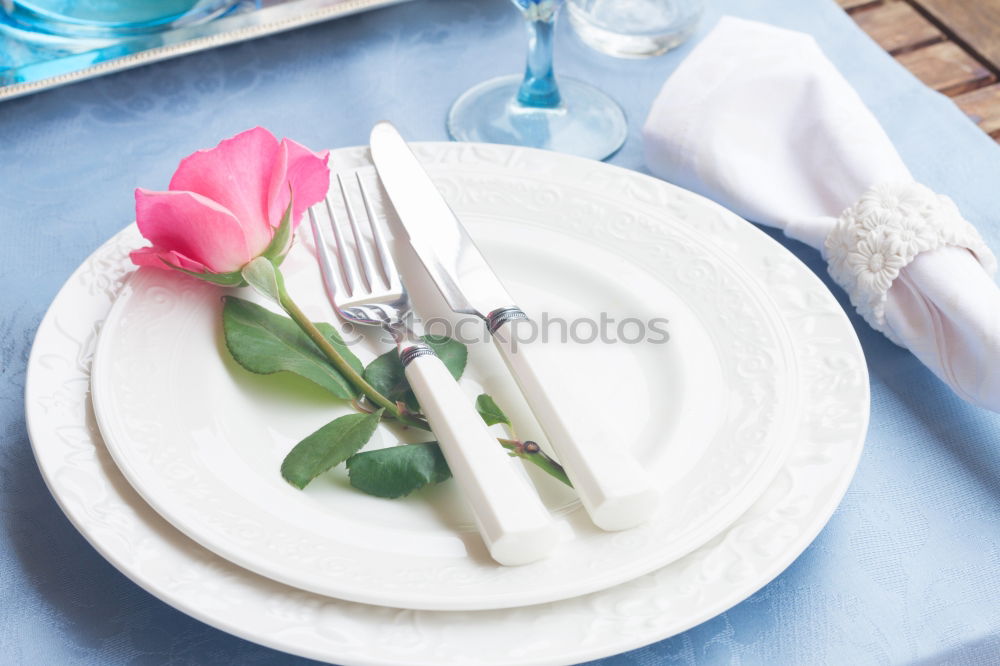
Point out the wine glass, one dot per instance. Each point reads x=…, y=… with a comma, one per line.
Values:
x=572, y=117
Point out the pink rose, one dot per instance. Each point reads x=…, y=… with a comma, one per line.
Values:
x=225, y=204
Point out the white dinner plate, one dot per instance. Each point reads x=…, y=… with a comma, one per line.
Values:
x=827, y=441
x=699, y=385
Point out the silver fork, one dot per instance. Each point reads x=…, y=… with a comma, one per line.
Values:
x=365, y=288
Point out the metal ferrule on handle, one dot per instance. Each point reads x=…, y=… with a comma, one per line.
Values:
x=613, y=487
x=501, y=316
x=413, y=351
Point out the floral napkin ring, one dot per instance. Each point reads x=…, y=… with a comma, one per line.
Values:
x=885, y=230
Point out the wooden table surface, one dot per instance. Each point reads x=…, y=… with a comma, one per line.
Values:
x=951, y=45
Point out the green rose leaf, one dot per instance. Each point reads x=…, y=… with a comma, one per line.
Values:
x=264, y=343
x=452, y=353
x=398, y=470
x=329, y=446
x=489, y=410
x=386, y=374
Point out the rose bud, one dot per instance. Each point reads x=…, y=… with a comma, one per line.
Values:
x=225, y=206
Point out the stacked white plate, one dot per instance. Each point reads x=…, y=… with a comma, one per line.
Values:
x=749, y=404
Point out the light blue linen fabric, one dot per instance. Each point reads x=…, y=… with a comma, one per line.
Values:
x=907, y=571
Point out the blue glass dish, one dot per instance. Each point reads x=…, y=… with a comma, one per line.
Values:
x=110, y=18
x=33, y=59
x=51, y=39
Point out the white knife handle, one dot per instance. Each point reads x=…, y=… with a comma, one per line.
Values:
x=512, y=520
x=614, y=489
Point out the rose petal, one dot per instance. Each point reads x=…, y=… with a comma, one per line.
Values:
x=308, y=175
x=193, y=226
x=150, y=256
x=236, y=174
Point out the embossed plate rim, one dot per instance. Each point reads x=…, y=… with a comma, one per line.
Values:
x=150, y=552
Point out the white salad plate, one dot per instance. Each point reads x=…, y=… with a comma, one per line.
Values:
x=625, y=209
x=693, y=373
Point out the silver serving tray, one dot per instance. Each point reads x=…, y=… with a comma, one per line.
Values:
x=38, y=62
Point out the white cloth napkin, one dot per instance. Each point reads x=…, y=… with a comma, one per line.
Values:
x=758, y=119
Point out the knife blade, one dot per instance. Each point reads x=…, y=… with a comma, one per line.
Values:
x=615, y=490
x=444, y=247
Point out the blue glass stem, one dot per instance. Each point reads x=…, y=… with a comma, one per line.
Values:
x=539, y=87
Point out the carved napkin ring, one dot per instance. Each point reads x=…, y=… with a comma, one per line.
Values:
x=877, y=237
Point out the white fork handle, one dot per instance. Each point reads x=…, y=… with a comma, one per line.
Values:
x=614, y=489
x=512, y=520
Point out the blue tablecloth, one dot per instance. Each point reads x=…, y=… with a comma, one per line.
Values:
x=907, y=571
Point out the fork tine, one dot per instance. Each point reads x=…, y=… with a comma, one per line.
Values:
x=371, y=274
x=331, y=275
x=347, y=264
x=389, y=271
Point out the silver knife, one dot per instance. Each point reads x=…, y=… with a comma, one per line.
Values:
x=613, y=487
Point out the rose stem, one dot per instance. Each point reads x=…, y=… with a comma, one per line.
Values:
x=340, y=363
